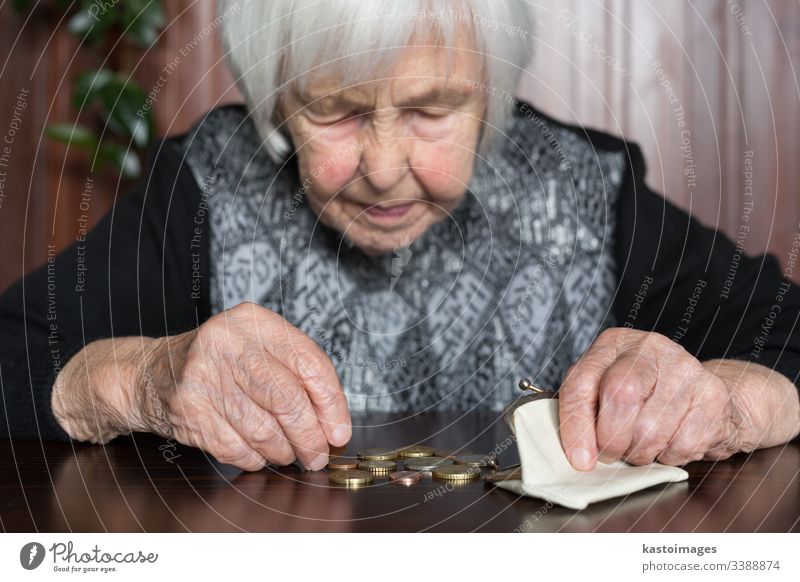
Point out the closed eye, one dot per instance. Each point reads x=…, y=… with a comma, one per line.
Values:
x=335, y=118
x=432, y=112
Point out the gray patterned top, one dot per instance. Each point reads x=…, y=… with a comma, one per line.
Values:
x=517, y=282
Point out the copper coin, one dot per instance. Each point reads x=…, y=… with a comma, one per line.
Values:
x=341, y=463
x=405, y=477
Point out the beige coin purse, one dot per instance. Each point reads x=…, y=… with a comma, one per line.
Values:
x=546, y=473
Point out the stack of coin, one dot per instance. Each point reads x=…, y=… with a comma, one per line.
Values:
x=379, y=467
x=351, y=477
x=342, y=463
x=443, y=464
x=456, y=473
x=378, y=454
x=417, y=451
x=425, y=463
x=405, y=477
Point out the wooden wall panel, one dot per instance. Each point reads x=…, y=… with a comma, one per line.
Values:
x=733, y=66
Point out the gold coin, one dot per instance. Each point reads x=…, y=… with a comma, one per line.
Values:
x=417, y=451
x=341, y=463
x=456, y=473
x=425, y=463
x=377, y=466
x=377, y=454
x=351, y=477
x=473, y=460
x=405, y=477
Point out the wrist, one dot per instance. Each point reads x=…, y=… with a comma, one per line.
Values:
x=157, y=376
x=765, y=402
x=92, y=395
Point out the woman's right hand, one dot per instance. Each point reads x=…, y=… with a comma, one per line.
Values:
x=246, y=386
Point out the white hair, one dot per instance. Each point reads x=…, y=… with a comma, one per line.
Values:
x=275, y=45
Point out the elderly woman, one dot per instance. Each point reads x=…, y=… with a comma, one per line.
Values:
x=384, y=228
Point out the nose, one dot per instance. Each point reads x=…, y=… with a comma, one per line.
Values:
x=385, y=161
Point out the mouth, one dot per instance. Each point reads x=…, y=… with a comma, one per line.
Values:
x=389, y=212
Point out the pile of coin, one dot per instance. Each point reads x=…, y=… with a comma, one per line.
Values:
x=452, y=465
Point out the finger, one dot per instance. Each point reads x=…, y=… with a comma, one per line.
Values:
x=316, y=373
x=279, y=393
x=661, y=416
x=259, y=429
x=701, y=427
x=578, y=398
x=623, y=389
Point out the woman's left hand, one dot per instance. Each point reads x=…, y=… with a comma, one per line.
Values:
x=640, y=397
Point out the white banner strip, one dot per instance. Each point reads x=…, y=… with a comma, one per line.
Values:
x=390, y=557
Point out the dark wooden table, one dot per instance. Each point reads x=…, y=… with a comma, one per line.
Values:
x=143, y=483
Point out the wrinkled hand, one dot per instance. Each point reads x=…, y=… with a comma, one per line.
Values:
x=251, y=388
x=246, y=386
x=640, y=397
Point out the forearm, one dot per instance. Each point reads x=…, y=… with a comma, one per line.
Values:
x=93, y=397
x=767, y=403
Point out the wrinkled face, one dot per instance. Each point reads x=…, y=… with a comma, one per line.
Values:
x=383, y=161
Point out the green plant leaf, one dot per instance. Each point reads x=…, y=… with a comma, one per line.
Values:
x=124, y=159
x=142, y=20
x=90, y=87
x=121, y=101
x=128, y=111
x=74, y=135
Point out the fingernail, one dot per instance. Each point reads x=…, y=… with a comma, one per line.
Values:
x=340, y=435
x=605, y=458
x=319, y=462
x=581, y=459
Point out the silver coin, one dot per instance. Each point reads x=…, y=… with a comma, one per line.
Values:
x=474, y=460
x=425, y=463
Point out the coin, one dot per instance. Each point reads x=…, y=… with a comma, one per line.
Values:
x=351, y=477
x=425, y=463
x=377, y=454
x=417, y=451
x=340, y=463
x=474, y=460
x=377, y=466
x=405, y=477
x=456, y=473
